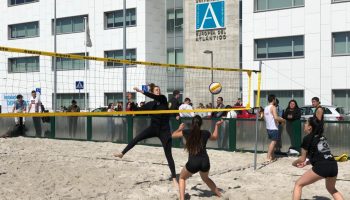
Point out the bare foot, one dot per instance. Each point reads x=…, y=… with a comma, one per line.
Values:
x=217, y=192
x=176, y=184
x=118, y=155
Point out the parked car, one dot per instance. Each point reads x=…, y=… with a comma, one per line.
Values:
x=331, y=113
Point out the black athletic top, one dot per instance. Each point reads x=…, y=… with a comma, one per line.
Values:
x=317, y=148
x=321, y=122
x=160, y=103
x=205, y=135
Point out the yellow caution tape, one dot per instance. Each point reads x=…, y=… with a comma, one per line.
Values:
x=85, y=114
x=129, y=62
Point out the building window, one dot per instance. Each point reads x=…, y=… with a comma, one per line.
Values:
x=283, y=96
x=175, y=75
x=175, y=56
x=118, y=54
x=65, y=99
x=117, y=97
x=175, y=20
x=282, y=47
x=338, y=1
x=264, y=5
x=341, y=98
x=70, y=64
x=341, y=43
x=23, y=64
x=19, y=2
x=115, y=19
x=70, y=25
x=24, y=30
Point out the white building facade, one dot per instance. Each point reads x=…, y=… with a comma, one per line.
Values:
x=28, y=24
x=304, y=47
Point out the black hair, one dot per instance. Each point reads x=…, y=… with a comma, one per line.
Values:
x=194, y=142
x=315, y=99
x=187, y=99
x=316, y=125
x=271, y=97
x=110, y=105
x=74, y=101
x=295, y=102
x=19, y=96
x=176, y=92
x=33, y=91
x=152, y=86
x=221, y=98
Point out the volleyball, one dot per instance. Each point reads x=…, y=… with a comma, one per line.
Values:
x=215, y=88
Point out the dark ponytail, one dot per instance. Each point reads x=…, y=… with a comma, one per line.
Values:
x=194, y=141
x=317, y=126
x=151, y=87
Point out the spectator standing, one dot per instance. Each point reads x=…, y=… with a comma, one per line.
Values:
x=174, y=103
x=272, y=119
x=132, y=105
x=20, y=106
x=110, y=122
x=73, y=121
x=219, y=105
x=35, y=107
x=186, y=106
x=319, y=111
x=238, y=102
x=291, y=113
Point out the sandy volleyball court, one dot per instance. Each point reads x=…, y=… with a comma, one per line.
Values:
x=32, y=168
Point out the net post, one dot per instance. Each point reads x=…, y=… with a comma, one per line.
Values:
x=52, y=128
x=89, y=128
x=232, y=130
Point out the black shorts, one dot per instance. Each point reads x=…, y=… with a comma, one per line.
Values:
x=326, y=168
x=198, y=163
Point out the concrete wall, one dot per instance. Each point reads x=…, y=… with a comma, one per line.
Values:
x=225, y=54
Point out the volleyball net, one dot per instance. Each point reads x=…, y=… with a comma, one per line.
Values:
x=95, y=82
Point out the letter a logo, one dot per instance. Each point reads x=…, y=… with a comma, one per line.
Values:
x=210, y=15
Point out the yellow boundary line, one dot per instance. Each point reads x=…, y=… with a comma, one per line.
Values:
x=78, y=57
x=85, y=114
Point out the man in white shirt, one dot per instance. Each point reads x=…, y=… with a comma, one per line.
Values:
x=186, y=106
x=35, y=107
x=272, y=119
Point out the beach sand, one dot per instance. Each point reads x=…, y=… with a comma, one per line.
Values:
x=32, y=168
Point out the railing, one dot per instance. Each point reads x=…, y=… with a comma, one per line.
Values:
x=234, y=134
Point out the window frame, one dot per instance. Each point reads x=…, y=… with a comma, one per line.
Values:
x=120, y=64
x=11, y=5
x=279, y=58
x=10, y=27
x=273, y=9
x=72, y=17
x=79, y=53
x=347, y=43
x=9, y=65
x=112, y=11
x=343, y=1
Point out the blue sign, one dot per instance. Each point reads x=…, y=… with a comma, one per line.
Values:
x=210, y=15
x=145, y=88
x=79, y=85
x=38, y=90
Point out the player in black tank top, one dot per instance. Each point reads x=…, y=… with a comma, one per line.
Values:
x=316, y=148
x=198, y=160
x=159, y=127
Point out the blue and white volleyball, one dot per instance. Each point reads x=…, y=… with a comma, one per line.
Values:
x=215, y=88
